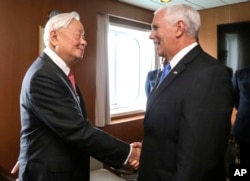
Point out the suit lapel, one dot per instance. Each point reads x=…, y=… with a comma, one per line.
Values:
x=82, y=102
x=65, y=80
x=173, y=74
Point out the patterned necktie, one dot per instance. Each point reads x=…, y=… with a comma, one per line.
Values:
x=72, y=80
x=165, y=72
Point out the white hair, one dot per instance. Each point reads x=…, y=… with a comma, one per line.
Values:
x=58, y=22
x=185, y=13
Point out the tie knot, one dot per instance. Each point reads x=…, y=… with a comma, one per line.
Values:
x=70, y=74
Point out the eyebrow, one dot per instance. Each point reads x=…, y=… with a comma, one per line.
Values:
x=153, y=26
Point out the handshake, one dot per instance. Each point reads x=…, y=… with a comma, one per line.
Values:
x=134, y=158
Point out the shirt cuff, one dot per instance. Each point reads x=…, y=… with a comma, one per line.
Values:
x=130, y=152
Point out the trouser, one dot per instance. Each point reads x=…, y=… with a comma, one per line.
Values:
x=244, y=154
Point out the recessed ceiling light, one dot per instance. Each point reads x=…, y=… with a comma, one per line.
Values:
x=165, y=1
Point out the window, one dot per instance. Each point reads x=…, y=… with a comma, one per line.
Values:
x=124, y=54
x=130, y=56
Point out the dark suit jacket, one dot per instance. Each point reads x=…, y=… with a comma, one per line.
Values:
x=151, y=81
x=56, y=137
x=187, y=122
x=241, y=82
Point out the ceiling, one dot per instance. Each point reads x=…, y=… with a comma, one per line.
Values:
x=197, y=4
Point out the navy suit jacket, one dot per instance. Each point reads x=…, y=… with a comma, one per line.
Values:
x=241, y=83
x=56, y=136
x=151, y=81
x=187, y=122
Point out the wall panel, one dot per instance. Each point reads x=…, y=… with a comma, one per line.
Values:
x=210, y=18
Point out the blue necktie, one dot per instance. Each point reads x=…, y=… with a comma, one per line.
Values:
x=165, y=72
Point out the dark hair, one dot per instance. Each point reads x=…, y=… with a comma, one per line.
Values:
x=53, y=13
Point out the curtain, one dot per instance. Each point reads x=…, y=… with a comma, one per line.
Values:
x=102, y=106
x=157, y=59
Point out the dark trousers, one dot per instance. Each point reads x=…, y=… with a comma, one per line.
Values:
x=245, y=154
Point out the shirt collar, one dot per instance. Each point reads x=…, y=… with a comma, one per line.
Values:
x=57, y=60
x=181, y=54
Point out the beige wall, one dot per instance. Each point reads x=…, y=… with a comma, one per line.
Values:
x=210, y=18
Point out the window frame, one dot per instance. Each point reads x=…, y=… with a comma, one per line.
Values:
x=131, y=112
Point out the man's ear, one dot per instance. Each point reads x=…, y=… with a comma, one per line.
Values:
x=54, y=38
x=180, y=28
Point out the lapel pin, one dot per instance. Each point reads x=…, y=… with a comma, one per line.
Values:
x=175, y=72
